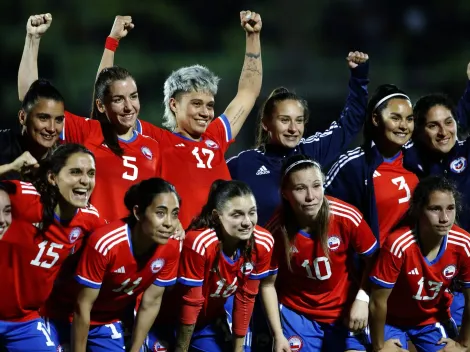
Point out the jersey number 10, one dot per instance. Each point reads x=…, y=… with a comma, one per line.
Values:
x=317, y=262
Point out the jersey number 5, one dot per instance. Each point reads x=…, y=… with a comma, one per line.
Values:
x=207, y=154
x=133, y=172
x=53, y=256
x=401, y=183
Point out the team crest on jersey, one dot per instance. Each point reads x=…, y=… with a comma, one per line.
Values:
x=449, y=271
x=75, y=234
x=211, y=144
x=333, y=243
x=147, y=152
x=158, y=348
x=157, y=265
x=295, y=343
x=247, y=268
x=458, y=165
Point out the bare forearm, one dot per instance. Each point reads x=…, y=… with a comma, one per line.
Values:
x=6, y=168
x=28, y=70
x=238, y=342
x=183, y=338
x=271, y=307
x=464, y=334
x=252, y=71
x=144, y=321
x=80, y=329
x=107, y=60
x=378, y=315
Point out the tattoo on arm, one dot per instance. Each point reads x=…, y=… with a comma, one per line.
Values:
x=185, y=332
x=239, y=113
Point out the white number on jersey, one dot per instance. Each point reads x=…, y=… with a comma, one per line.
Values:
x=433, y=286
x=316, y=265
x=230, y=290
x=43, y=329
x=53, y=256
x=133, y=172
x=114, y=333
x=401, y=183
x=208, y=155
x=128, y=290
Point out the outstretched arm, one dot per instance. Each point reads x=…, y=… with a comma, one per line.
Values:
x=36, y=26
x=121, y=26
x=249, y=85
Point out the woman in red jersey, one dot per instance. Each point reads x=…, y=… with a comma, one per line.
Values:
x=51, y=217
x=120, y=261
x=323, y=307
x=195, y=142
x=415, y=268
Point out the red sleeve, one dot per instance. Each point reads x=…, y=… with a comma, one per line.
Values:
x=278, y=251
x=77, y=128
x=25, y=201
x=192, y=266
x=243, y=306
x=264, y=243
x=92, y=265
x=167, y=275
x=387, y=268
x=464, y=270
x=192, y=304
x=150, y=130
x=362, y=238
x=220, y=131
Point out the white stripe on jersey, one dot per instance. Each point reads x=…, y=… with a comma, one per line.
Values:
x=203, y=240
x=265, y=237
x=344, y=216
x=402, y=243
x=343, y=160
x=90, y=211
x=375, y=243
x=28, y=188
x=317, y=136
x=459, y=239
x=346, y=209
x=109, y=240
x=226, y=128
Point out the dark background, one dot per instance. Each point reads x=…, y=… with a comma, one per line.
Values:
x=420, y=45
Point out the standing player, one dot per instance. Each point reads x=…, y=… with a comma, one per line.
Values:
x=384, y=198
x=120, y=261
x=193, y=146
x=225, y=253
x=123, y=156
x=50, y=219
x=284, y=116
x=315, y=237
x=41, y=118
x=415, y=268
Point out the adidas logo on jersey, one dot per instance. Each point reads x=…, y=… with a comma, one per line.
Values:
x=262, y=171
x=121, y=270
x=180, y=145
x=376, y=174
x=414, y=272
x=294, y=249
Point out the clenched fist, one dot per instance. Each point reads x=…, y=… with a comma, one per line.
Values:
x=121, y=26
x=37, y=25
x=250, y=21
x=356, y=58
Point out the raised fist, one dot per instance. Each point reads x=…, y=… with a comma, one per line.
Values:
x=250, y=21
x=24, y=162
x=37, y=25
x=356, y=58
x=121, y=26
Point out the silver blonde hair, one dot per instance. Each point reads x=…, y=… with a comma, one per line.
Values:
x=184, y=80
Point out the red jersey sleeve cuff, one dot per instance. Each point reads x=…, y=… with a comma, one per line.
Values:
x=192, y=304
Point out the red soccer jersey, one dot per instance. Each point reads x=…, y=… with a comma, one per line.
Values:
x=114, y=174
x=321, y=286
x=192, y=166
x=393, y=186
x=418, y=284
x=200, y=250
x=31, y=258
x=108, y=264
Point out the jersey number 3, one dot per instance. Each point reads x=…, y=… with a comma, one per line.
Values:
x=401, y=183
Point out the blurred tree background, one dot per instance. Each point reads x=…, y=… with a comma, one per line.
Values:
x=419, y=45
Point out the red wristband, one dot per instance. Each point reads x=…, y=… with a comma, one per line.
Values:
x=111, y=44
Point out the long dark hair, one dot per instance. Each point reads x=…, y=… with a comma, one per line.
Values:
x=40, y=89
x=50, y=194
x=143, y=193
x=101, y=91
x=220, y=193
x=420, y=199
x=382, y=91
x=278, y=95
x=289, y=225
